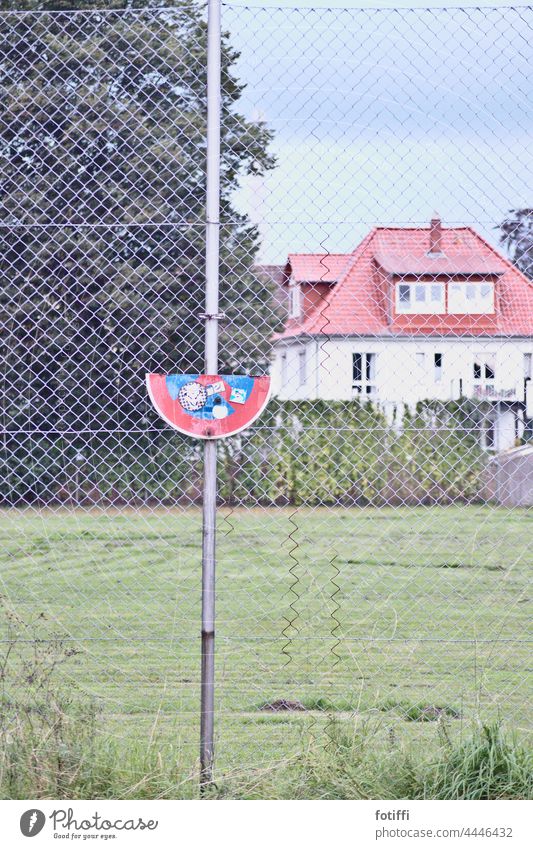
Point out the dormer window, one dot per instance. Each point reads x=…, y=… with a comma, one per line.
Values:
x=471, y=298
x=295, y=300
x=421, y=298
x=464, y=298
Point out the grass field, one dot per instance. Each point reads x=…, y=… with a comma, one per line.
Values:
x=388, y=613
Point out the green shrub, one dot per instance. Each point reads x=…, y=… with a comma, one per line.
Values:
x=301, y=452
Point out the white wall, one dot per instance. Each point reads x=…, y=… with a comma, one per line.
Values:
x=291, y=388
x=399, y=377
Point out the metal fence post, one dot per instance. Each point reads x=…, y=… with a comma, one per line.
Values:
x=211, y=367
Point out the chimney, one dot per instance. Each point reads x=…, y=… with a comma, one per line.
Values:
x=435, y=235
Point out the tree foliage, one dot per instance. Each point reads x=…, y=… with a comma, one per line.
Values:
x=517, y=236
x=102, y=141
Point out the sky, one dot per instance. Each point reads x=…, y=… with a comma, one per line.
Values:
x=384, y=116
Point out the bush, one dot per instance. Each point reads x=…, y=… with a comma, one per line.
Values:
x=302, y=452
x=346, y=453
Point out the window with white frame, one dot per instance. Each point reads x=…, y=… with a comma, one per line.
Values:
x=437, y=365
x=484, y=372
x=471, y=298
x=302, y=367
x=295, y=300
x=484, y=368
x=420, y=298
x=364, y=373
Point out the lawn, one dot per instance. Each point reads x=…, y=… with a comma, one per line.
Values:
x=389, y=613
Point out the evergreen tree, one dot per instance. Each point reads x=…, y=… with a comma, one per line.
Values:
x=102, y=140
x=517, y=236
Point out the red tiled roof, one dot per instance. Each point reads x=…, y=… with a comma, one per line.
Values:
x=355, y=305
x=318, y=268
x=456, y=264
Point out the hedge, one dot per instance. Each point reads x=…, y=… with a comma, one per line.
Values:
x=302, y=452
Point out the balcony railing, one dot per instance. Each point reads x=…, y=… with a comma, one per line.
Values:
x=494, y=393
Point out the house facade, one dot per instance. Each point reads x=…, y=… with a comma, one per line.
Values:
x=411, y=314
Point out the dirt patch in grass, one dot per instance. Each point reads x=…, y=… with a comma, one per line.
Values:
x=280, y=705
x=421, y=712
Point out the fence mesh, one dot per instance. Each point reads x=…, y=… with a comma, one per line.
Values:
x=376, y=250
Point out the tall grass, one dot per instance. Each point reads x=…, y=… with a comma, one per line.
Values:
x=52, y=746
x=488, y=764
x=51, y=741
x=56, y=752
x=74, y=762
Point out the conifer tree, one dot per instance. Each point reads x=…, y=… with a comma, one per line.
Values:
x=102, y=210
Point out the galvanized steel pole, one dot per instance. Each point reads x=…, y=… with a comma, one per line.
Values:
x=211, y=367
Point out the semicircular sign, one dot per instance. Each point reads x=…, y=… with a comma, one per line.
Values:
x=208, y=406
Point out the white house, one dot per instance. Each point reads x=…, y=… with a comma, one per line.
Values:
x=411, y=314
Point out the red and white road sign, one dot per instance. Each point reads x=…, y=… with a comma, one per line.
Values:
x=208, y=406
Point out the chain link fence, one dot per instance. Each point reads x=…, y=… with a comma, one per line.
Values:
x=374, y=535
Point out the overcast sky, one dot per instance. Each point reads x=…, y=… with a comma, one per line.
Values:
x=384, y=116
